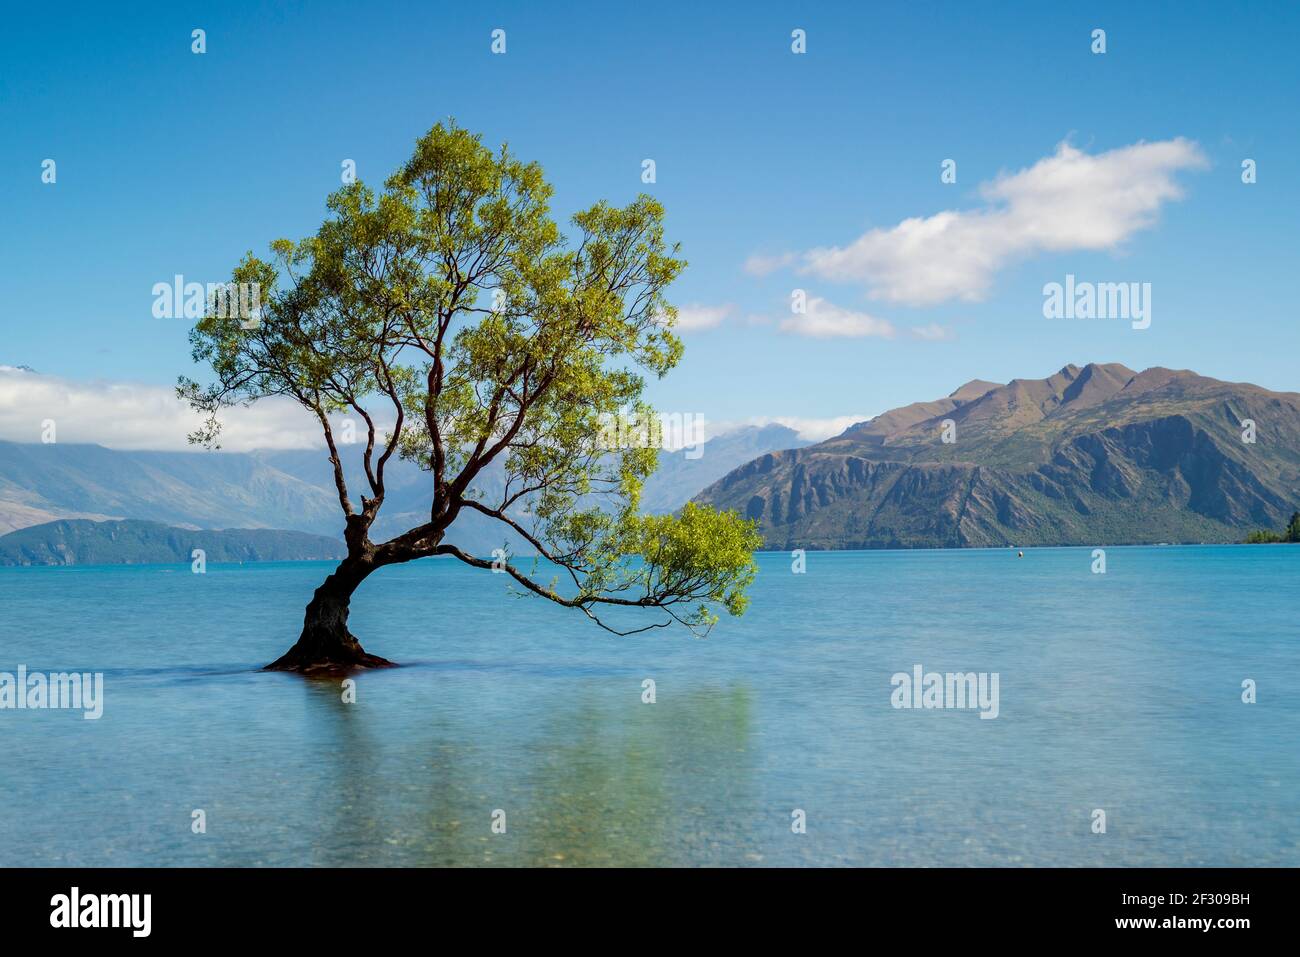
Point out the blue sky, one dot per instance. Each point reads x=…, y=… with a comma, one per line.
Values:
x=170, y=162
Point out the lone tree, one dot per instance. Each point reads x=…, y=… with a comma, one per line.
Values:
x=449, y=307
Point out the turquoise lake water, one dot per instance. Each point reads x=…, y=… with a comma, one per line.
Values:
x=1120, y=692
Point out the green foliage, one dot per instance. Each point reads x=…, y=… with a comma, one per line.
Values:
x=1265, y=537
x=450, y=300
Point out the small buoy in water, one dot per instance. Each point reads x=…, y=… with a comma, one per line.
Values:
x=1020, y=554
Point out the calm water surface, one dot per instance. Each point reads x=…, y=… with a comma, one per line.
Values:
x=1119, y=691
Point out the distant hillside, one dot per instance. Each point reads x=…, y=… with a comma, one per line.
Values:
x=39, y=483
x=81, y=542
x=294, y=489
x=1092, y=455
x=680, y=476
x=291, y=489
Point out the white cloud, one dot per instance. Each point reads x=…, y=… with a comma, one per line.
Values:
x=759, y=265
x=933, y=332
x=810, y=429
x=825, y=320
x=1067, y=201
x=693, y=316
x=131, y=416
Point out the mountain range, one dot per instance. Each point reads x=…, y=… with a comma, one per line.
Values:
x=294, y=489
x=1098, y=454
x=85, y=542
x=1094, y=455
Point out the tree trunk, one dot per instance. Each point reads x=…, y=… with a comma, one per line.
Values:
x=325, y=645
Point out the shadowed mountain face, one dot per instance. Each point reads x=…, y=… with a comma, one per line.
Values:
x=1092, y=455
x=683, y=473
x=81, y=542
